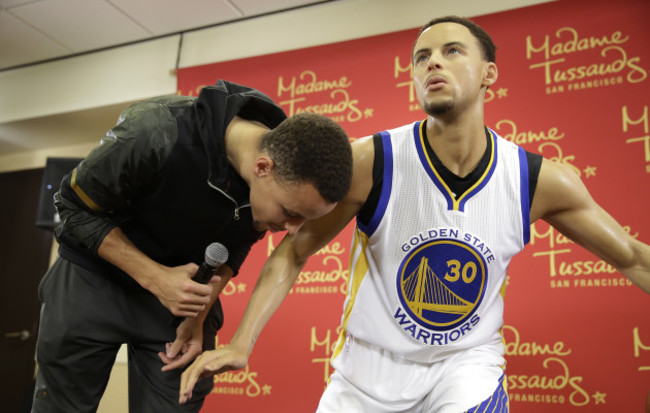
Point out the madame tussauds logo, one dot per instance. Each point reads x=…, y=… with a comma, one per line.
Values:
x=335, y=103
x=440, y=285
x=612, y=65
x=550, y=383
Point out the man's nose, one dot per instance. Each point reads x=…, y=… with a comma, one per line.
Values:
x=435, y=61
x=293, y=225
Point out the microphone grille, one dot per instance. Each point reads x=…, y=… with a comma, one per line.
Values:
x=216, y=254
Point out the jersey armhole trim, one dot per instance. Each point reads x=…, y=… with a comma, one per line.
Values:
x=523, y=186
x=386, y=187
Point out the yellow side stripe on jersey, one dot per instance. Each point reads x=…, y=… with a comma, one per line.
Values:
x=502, y=292
x=357, y=272
x=81, y=194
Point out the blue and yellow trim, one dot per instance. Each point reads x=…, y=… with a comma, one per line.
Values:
x=453, y=204
x=525, y=191
x=386, y=187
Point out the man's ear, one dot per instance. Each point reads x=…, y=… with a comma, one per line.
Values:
x=263, y=167
x=490, y=74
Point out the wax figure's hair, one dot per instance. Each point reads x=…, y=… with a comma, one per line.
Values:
x=487, y=45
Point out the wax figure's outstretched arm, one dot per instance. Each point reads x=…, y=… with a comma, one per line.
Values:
x=562, y=200
x=280, y=272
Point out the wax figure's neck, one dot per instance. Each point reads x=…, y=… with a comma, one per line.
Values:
x=458, y=141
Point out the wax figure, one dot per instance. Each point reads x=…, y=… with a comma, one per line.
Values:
x=442, y=205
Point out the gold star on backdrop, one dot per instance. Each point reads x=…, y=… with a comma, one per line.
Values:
x=599, y=398
x=241, y=288
x=589, y=171
x=368, y=113
x=266, y=389
x=502, y=93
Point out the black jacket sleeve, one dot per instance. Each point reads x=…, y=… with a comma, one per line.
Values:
x=95, y=197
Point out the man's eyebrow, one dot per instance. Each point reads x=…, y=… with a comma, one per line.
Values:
x=421, y=50
x=446, y=45
x=456, y=43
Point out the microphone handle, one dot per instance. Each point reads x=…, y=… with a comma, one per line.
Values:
x=204, y=273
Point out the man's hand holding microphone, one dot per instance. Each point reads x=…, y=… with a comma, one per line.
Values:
x=189, y=334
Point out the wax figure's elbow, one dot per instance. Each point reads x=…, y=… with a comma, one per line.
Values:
x=291, y=254
x=637, y=268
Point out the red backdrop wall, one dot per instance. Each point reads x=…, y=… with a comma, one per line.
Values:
x=574, y=86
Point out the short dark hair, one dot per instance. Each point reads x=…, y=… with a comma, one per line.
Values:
x=311, y=148
x=487, y=45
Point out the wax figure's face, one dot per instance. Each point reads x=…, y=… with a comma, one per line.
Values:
x=278, y=206
x=448, y=69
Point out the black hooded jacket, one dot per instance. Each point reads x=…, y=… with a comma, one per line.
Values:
x=162, y=175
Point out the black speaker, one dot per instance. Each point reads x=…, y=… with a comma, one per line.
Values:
x=55, y=170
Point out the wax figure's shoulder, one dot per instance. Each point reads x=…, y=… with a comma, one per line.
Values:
x=559, y=188
x=363, y=158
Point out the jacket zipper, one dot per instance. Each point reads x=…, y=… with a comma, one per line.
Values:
x=237, y=207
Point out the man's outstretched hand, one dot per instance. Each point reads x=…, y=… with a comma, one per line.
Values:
x=211, y=363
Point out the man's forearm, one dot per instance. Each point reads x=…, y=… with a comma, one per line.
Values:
x=225, y=273
x=118, y=249
x=173, y=286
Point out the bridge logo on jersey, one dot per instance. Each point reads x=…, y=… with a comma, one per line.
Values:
x=440, y=285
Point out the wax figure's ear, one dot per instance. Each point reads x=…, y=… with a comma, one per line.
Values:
x=490, y=74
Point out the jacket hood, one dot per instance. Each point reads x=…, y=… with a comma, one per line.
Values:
x=216, y=106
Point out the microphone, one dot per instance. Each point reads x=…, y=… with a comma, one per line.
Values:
x=215, y=255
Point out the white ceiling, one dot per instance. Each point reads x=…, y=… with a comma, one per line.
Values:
x=39, y=30
x=36, y=31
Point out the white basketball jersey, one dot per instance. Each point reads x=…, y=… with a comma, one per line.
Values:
x=427, y=274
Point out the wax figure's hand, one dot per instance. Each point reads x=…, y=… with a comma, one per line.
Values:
x=188, y=345
x=179, y=293
x=211, y=363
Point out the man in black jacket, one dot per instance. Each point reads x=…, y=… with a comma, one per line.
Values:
x=175, y=174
